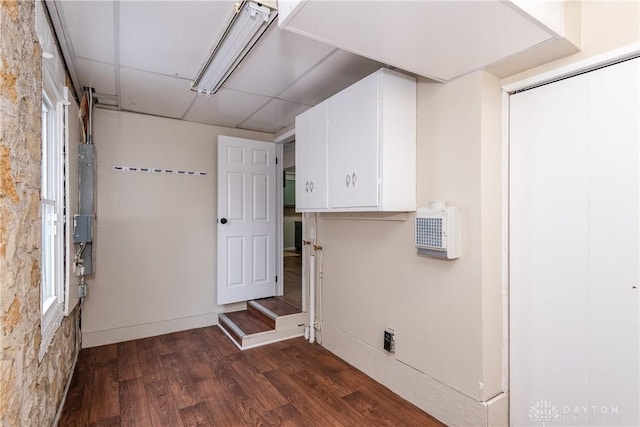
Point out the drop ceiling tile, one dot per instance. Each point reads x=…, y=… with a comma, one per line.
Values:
x=225, y=108
x=98, y=75
x=154, y=94
x=274, y=116
x=335, y=73
x=90, y=26
x=171, y=37
x=278, y=59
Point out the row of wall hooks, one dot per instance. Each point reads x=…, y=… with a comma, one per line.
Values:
x=158, y=170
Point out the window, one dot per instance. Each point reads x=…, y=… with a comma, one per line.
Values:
x=52, y=198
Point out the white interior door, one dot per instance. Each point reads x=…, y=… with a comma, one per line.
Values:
x=246, y=219
x=575, y=251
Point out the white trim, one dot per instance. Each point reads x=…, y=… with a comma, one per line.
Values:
x=505, y=241
x=280, y=220
x=127, y=333
x=286, y=137
x=305, y=254
x=607, y=58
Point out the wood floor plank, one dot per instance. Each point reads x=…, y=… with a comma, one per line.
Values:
x=76, y=411
x=170, y=343
x=162, y=407
x=248, y=323
x=403, y=411
x=261, y=389
x=325, y=397
x=276, y=358
x=196, y=415
x=316, y=358
x=134, y=410
x=182, y=387
x=293, y=280
x=370, y=409
x=198, y=340
x=279, y=306
x=196, y=364
x=151, y=366
x=289, y=416
x=110, y=422
x=338, y=388
x=260, y=360
x=251, y=409
x=128, y=361
x=220, y=405
x=300, y=398
x=105, y=402
x=220, y=344
x=106, y=353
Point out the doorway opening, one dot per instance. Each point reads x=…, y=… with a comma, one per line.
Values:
x=292, y=242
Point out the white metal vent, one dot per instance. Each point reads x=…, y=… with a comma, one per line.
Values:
x=437, y=231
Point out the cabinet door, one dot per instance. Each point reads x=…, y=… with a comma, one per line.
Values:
x=354, y=146
x=311, y=159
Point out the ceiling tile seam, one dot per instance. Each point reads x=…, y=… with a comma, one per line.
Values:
x=70, y=64
x=282, y=91
x=156, y=73
x=191, y=104
x=84, y=58
x=116, y=51
x=327, y=56
x=153, y=115
x=255, y=112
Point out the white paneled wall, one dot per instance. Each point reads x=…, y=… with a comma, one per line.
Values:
x=575, y=250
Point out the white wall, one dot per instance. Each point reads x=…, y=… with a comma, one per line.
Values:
x=156, y=236
x=446, y=314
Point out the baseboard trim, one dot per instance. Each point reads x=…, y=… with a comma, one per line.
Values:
x=128, y=333
x=441, y=401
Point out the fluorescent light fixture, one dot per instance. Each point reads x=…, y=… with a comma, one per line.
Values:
x=248, y=24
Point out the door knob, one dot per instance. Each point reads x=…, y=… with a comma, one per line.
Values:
x=223, y=221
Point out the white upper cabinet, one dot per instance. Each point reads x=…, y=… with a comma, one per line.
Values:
x=354, y=145
x=311, y=159
x=441, y=40
x=356, y=151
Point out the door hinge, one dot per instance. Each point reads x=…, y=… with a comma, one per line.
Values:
x=82, y=291
x=276, y=279
x=276, y=160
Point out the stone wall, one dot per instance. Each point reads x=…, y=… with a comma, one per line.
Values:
x=30, y=391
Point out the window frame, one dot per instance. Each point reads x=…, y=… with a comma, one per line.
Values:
x=52, y=289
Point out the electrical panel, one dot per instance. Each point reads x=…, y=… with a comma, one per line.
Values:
x=437, y=231
x=82, y=228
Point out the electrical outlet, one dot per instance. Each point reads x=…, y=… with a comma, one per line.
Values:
x=389, y=340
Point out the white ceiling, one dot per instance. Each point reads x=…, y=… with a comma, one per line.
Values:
x=144, y=55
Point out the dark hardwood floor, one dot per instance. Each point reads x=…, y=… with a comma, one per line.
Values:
x=198, y=377
x=293, y=278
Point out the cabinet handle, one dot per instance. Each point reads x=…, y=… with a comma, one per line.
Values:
x=348, y=181
x=311, y=186
x=306, y=186
x=354, y=179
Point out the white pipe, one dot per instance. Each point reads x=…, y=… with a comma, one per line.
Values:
x=312, y=297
